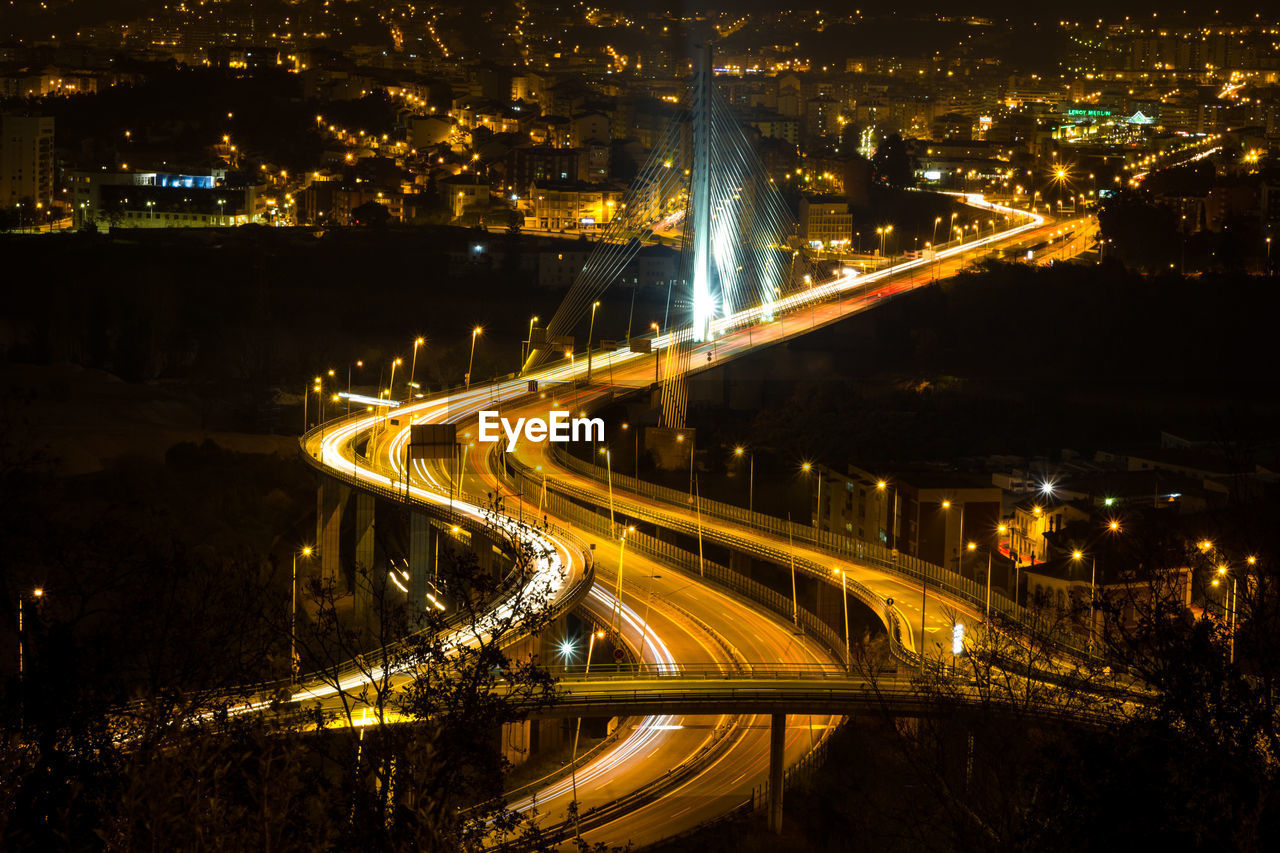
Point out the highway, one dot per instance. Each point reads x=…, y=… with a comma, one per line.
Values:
x=682, y=621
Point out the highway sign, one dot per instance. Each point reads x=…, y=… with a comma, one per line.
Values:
x=641, y=344
x=432, y=441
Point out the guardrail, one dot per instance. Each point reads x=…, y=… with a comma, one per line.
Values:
x=836, y=544
x=520, y=477
x=803, y=695
x=557, y=501
x=744, y=669
x=510, y=525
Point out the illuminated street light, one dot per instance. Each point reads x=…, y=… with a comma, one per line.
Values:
x=475, y=333
x=844, y=598
x=1076, y=556
x=293, y=619
x=591, y=330
x=751, y=483
x=529, y=343
x=349, y=366
x=413, y=369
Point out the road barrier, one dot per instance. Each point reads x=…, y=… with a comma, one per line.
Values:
x=520, y=478
x=837, y=544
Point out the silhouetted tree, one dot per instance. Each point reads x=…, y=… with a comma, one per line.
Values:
x=891, y=163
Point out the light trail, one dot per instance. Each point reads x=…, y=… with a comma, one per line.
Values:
x=386, y=470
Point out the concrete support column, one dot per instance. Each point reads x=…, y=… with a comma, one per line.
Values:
x=777, y=756
x=365, y=504
x=422, y=558
x=364, y=536
x=517, y=741
x=331, y=497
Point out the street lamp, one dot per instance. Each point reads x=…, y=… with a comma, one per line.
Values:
x=573, y=759
x=807, y=468
x=1231, y=613
x=1077, y=556
x=37, y=594
x=882, y=486
x=529, y=343
x=657, y=358
x=591, y=330
x=1017, y=570
x=392, y=384
x=349, y=366
x=617, y=593
x=608, y=462
x=413, y=368
x=751, y=483
x=973, y=546
x=844, y=599
x=475, y=333
x=293, y=619
x=318, y=388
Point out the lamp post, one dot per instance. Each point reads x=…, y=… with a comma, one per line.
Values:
x=973, y=546
x=1076, y=556
x=528, y=345
x=617, y=593
x=573, y=760
x=882, y=486
x=1230, y=607
x=608, y=463
x=751, y=482
x=293, y=619
x=591, y=330
x=392, y=384
x=808, y=467
x=475, y=333
x=413, y=369
x=657, y=358
x=349, y=366
x=37, y=594
x=844, y=599
x=1017, y=572
x=319, y=389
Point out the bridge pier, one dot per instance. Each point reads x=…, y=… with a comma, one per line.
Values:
x=362, y=576
x=423, y=541
x=331, y=498
x=777, y=756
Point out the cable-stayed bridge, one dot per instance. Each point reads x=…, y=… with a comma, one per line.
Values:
x=737, y=231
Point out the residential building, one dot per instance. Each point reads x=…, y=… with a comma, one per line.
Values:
x=825, y=222
x=26, y=160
